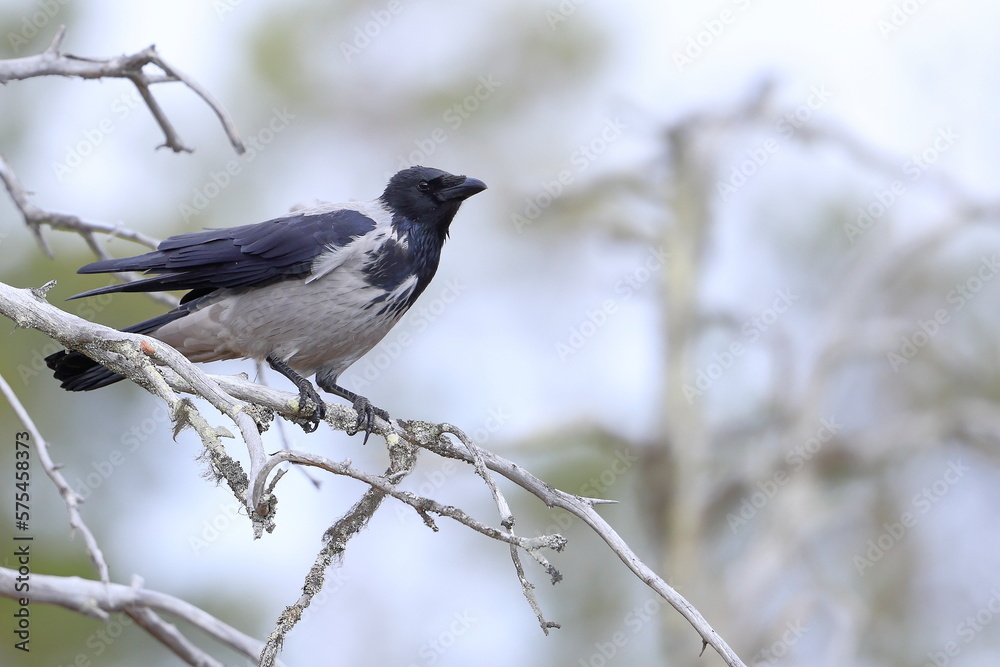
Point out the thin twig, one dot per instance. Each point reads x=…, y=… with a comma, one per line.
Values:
x=121, y=352
x=507, y=521
x=402, y=458
x=168, y=635
x=528, y=589
x=506, y=517
x=98, y=599
x=69, y=496
x=35, y=217
x=52, y=62
x=421, y=504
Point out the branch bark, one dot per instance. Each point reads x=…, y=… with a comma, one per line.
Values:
x=52, y=62
x=70, y=497
x=162, y=371
x=97, y=599
x=130, y=354
x=133, y=68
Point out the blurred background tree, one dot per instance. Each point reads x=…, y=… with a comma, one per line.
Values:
x=734, y=269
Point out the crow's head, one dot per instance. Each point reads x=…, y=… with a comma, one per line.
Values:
x=428, y=196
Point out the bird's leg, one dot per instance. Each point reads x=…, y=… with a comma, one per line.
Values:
x=366, y=411
x=306, y=393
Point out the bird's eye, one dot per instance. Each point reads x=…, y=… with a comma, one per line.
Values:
x=423, y=186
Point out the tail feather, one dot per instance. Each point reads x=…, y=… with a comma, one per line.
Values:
x=78, y=372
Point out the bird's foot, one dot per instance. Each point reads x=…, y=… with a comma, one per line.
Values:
x=366, y=417
x=312, y=409
x=309, y=398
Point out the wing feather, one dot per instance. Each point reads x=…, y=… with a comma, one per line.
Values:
x=250, y=255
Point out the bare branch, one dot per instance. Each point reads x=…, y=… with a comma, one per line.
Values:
x=69, y=496
x=528, y=589
x=129, y=354
x=97, y=599
x=52, y=62
x=402, y=458
x=429, y=436
x=131, y=67
x=420, y=504
x=35, y=217
x=168, y=635
x=507, y=521
x=506, y=518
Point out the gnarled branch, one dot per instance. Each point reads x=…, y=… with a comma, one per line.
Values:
x=52, y=62
x=130, y=354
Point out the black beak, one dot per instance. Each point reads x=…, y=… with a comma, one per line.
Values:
x=463, y=190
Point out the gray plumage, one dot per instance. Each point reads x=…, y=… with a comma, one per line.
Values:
x=310, y=292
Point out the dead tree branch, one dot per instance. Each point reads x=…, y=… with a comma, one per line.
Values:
x=52, y=62
x=236, y=397
x=70, y=497
x=98, y=599
x=162, y=371
x=132, y=355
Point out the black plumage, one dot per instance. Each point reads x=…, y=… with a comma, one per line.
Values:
x=308, y=293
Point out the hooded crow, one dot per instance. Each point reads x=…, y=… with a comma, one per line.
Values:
x=309, y=293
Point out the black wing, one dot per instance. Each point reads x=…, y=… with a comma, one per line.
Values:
x=251, y=255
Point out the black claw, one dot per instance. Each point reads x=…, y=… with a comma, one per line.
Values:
x=366, y=411
x=309, y=398
x=366, y=417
